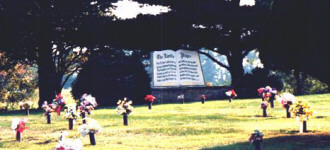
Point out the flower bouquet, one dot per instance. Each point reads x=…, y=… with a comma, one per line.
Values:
x=68, y=144
x=231, y=94
x=19, y=125
x=59, y=103
x=150, y=99
x=87, y=104
x=273, y=93
x=49, y=108
x=71, y=114
x=302, y=111
x=256, y=139
x=264, y=105
x=181, y=98
x=203, y=98
x=124, y=108
x=260, y=92
x=287, y=99
x=91, y=128
x=26, y=106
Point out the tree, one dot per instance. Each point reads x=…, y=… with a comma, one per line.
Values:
x=110, y=75
x=38, y=27
x=297, y=38
x=16, y=82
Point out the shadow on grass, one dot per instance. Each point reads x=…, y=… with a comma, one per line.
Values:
x=21, y=112
x=307, y=141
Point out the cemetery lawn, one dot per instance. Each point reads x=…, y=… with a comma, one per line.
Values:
x=214, y=125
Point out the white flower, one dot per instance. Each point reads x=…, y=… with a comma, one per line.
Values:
x=14, y=123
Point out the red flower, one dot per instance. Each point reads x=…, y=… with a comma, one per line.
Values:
x=59, y=96
x=203, y=96
x=150, y=98
x=58, y=110
x=21, y=126
x=260, y=90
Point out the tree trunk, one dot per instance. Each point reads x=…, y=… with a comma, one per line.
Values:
x=300, y=79
x=236, y=68
x=58, y=83
x=46, y=73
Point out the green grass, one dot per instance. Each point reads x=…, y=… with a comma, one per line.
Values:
x=214, y=125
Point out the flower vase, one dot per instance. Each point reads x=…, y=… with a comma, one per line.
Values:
x=70, y=124
x=48, y=117
x=304, y=126
x=288, y=114
x=125, y=119
x=203, y=100
x=83, y=116
x=264, y=112
x=230, y=99
x=27, y=111
x=150, y=105
x=271, y=103
x=18, y=136
x=258, y=145
x=92, y=138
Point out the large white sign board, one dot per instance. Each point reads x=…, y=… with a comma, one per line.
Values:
x=177, y=68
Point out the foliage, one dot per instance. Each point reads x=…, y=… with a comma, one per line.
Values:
x=311, y=85
x=296, y=38
x=113, y=74
x=259, y=78
x=17, y=83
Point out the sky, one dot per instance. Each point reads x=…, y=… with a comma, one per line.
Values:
x=128, y=9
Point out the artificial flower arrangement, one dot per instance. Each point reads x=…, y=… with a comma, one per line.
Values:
x=231, y=94
x=203, y=98
x=49, y=108
x=287, y=99
x=301, y=108
x=87, y=104
x=302, y=111
x=124, y=108
x=181, y=98
x=71, y=114
x=91, y=128
x=150, y=99
x=19, y=125
x=25, y=106
x=273, y=93
x=256, y=138
x=264, y=105
x=266, y=94
x=68, y=144
x=59, y=103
